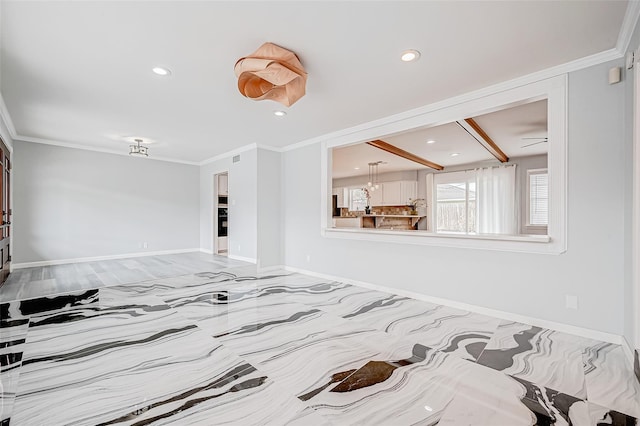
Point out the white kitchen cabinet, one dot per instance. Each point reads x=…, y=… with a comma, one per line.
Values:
x=392, y=194
x=377, y=196
x=343, y=197
x=398, y=193
x=408, y=189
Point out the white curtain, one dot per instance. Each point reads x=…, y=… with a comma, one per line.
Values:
x=496, y=200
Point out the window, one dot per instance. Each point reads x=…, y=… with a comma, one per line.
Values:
x=456, y=202
x=538, y=197
x=357, y=199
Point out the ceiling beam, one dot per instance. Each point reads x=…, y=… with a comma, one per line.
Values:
x=404, y=154
x=481, y=136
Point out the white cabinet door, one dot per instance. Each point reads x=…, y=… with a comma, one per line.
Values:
x=392, y=194
x=408, y=190
x=343, y=198
x=223, y=184
x=376, y=196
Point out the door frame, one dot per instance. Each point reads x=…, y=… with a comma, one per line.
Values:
x=214, y=211
x=635, y=212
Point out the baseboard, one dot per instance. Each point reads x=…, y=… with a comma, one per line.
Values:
x=265, y=269
x=99, y=258
x=206, y=251
x=565, y=328
x=628, y=351
x=242, y=258
x=636, y=364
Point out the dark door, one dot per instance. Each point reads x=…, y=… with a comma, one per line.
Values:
x=5, y=202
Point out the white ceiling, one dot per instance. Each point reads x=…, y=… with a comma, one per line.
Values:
x=506, y=128
x=80, y=72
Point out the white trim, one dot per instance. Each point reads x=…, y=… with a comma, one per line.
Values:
x=229, y=154
x=628, y=351
x=553, y=89
x=6, y=117
x=242, y=258
x=628, y=25
x=123, y=152
x=635, y=210
x=8, y=124
x=265, y=269
x=99, y=258
x=552, y=325
x=206, y=251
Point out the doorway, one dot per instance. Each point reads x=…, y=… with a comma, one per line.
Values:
x=221, y=213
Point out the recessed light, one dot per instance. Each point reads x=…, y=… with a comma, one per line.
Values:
x=455, y=154
x=279, y=113
x=161, y=71
x=356, y=168
x=431, y=141
x=410, y=55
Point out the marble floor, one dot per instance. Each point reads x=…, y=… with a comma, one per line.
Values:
x=227, y=345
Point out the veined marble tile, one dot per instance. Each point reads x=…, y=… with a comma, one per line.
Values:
x=48, y=304
x=13, y=334
x=309, y=366
x=93, y=365
x=545, y=357
x=393, y=393
x=450, y=330
x=610, y=379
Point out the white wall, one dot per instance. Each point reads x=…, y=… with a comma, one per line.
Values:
x=533, y=285
x=71, y=203
x=269, y=208
x=243, y=223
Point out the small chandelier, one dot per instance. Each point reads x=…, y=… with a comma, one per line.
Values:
x=373, y=176
x=138, y=149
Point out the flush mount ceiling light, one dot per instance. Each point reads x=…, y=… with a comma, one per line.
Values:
x=431, y=141
x=273, y=73
x=279, y=113
x=161, y=71
x=455, y=154
x=138, y=149
x=410, y=55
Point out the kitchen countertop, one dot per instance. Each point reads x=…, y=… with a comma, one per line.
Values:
x=394, y=215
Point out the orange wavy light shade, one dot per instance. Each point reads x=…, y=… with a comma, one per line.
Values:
x=271, y=72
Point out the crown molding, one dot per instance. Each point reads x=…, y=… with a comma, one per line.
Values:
x=578, y=64
x=96, y=149
x=628, y=25
x=228, y=154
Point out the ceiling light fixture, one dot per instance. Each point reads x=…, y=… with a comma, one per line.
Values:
x=373, y=176
x=138, y=149
x=356, y=168
x=273, y=73
x=455, y=154
x=161, y=71
x=279, y=113
x=431, y=141
x=410, y=55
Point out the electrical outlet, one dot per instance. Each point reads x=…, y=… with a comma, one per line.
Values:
x=145, y=245
x=571, y=301
x=308, y=258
